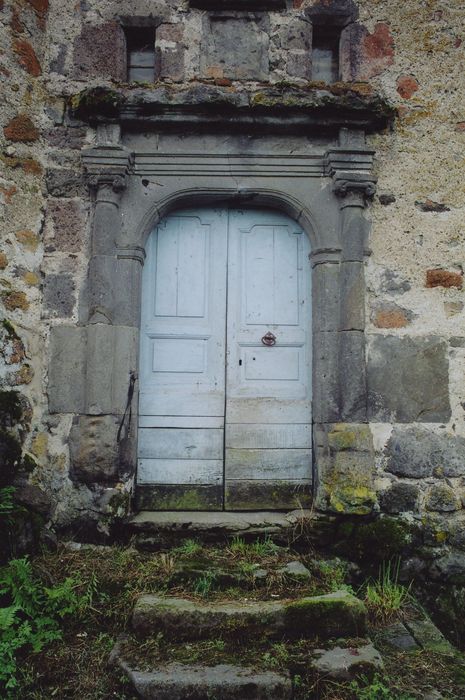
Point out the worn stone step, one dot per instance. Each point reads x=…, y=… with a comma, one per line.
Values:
x=176, y=681
x=152, y=530
x=338, y=614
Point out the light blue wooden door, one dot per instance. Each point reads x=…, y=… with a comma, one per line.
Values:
x=225, y=365
x=182, y=363
x=268, y=389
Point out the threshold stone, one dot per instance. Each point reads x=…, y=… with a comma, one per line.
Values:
x=152, y=528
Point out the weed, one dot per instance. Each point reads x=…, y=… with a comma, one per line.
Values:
x=363, y=689
x=203, y=585
x=333, y=573
x=385, y=597
x=166, y=564
x=278, y=656
x=188, y=548
x=259, y=549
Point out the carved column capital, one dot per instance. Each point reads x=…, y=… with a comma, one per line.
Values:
x=106, y=167
x=117, y=183
x=350, y=170
x=360, y=185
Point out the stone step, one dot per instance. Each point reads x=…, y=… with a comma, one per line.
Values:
x=338, y=614
x=154, y=530
x=176, y=681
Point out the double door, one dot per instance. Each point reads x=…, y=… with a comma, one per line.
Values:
x=225, y=363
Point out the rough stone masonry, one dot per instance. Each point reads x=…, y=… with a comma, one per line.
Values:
x=405, y=453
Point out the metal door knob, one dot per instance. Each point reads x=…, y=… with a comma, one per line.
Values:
x=269, y=339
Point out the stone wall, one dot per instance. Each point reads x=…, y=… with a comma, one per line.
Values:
x=411, y=53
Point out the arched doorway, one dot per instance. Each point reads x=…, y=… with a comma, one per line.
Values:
x=225, y=363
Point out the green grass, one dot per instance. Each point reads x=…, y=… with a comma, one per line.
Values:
x=188, y=548
x=386, y=597
x=260, y=549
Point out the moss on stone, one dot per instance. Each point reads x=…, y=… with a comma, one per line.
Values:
x=99, y=100
x=334, y=614
x=374, y=541
x=353, y=500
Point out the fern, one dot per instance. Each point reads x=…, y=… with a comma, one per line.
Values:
x=30, y=615
x=7, y=505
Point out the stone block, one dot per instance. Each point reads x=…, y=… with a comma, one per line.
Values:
x=443, y=499
x=326, y=293
x=344, y=664
x=364, y=54
x=66, y=372
x=352, y=316
x=175, y=681
x=59, y=296
x=100, y=52
x=349, y=436
x=236, y=49
x=324, y=616
x=444, y=278
x=325, y=377
x=21, y=129
x=349, y=484
x=418, y=453
x=408, y=379
x=107, y=382
x=66, y=137
x=33, y=497
x=118, y=304
x=400, y=498
x=93, y=449
x=352, y=377
x=64, y=183
x=26, y=57
x=390, y=315
x=299, y=65
x=69, y=219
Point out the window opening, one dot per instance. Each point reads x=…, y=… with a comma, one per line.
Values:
x=325, y=53
x=141, y=54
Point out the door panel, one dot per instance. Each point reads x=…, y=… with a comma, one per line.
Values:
x=268, y=419
x=215, y=283
x=182, y=372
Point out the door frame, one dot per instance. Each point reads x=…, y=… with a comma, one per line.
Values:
x=326, y=193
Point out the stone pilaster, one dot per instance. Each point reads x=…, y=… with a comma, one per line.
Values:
x=102, y=440
x=353, y=185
